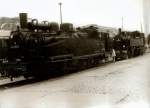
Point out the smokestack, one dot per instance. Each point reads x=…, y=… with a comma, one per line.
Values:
x=23, y=20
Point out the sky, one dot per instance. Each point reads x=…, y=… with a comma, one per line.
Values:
x=81, y=12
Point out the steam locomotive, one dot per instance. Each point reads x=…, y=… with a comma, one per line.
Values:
x=129, y=44
x=43, y=49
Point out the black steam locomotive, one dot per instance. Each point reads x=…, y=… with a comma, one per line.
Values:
x=129, y=44
x=43, y=49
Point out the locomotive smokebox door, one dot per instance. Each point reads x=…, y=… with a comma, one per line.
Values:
x=23, y=20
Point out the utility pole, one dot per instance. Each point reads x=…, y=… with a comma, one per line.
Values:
x=60, y=13
x=146, y=29
x=122, y=23
x=141, y=28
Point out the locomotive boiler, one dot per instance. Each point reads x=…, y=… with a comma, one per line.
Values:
x=47, y=48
